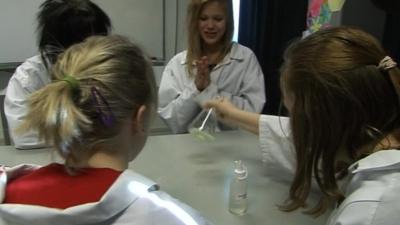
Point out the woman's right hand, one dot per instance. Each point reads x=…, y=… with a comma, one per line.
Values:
x=223, y=108
x=231, y=115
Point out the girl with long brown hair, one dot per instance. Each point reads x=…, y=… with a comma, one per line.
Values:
x=342, y=93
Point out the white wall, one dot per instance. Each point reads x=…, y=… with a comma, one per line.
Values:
x=18, y=37
x=175, y=32
x=175, y=41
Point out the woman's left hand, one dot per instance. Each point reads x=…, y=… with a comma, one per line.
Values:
x=202, y=79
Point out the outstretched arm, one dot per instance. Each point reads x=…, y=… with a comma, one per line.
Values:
x=231, y=115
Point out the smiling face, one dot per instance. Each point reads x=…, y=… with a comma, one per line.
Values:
x=212, y=24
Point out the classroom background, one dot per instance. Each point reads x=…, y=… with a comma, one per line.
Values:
x=360, y=13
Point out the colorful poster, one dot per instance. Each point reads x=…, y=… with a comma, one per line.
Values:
x=320, y=14
x=315, y=7
x=336, y=5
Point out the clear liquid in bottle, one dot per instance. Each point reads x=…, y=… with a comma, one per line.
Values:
x=238, y=190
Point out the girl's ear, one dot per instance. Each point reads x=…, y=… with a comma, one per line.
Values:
x=140, y=122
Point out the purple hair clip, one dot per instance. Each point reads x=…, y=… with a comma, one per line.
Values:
x=99, y=101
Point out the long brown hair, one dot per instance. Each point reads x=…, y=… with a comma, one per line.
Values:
x=340, y=99
x=195, y=43
x=113, y=78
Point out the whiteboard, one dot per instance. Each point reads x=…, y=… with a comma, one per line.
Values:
x=140, y=20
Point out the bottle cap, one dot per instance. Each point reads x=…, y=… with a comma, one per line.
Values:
x=240, y=170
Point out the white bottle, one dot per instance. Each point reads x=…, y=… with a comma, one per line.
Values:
x=238, y=190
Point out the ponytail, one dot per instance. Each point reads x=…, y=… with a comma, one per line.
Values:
x=97, y=85
x=53, y=112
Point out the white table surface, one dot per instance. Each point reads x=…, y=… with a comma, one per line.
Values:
x=198, y=174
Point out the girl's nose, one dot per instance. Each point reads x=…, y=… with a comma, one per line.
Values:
x=210, y=24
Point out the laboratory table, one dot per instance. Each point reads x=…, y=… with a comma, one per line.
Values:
x=198, y=173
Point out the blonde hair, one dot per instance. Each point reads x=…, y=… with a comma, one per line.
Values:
x=195, y=46
x=114, y=78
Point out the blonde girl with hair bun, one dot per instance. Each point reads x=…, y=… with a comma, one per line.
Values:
x=97, y=115
x=213, y=65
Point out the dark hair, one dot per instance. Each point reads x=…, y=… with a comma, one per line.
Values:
x=62, y=23
x=342, y=103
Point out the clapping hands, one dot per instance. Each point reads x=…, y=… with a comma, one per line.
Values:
x=202, y=79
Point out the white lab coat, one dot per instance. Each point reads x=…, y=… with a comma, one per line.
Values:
x=29, y=77
x=238, y=78
x=130, y=200
x=372, y=192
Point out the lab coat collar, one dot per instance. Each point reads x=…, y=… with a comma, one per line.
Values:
x=8, y=173
x=381, y=160
x=126, y=190
x=234, y=54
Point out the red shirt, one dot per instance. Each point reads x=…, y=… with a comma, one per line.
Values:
x=52, y=186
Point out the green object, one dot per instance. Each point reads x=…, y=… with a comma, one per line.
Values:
x=74, y=83
x=204, y=125
x=201, y=134
x=336, y=5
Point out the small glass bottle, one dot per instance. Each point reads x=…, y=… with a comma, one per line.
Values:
x=238, y=190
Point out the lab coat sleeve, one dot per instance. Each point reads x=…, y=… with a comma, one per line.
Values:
x=252, y=93
x=372, y=198
x=361, y=213
x=10, y=173
x=277, y=148
x=180, y=212
x=15, y=108
x=278, y=151
x=176, y=99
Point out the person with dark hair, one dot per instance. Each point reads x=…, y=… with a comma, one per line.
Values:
x=342, y=137
x=212, y=66
x=61, y=23
x=97, y=114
